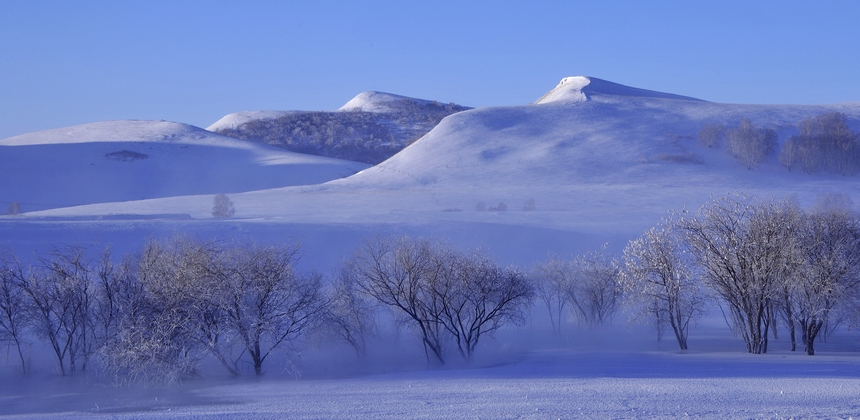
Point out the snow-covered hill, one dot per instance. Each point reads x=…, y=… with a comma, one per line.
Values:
x=614, y=161
x=370, y=128
x=603, y=164
x=135, y=160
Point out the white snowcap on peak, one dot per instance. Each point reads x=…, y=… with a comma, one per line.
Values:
x=373, y=101
x=582, y=88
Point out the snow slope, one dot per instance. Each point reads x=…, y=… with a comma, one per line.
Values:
x=134, y=160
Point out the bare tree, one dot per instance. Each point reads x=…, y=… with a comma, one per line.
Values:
x=442, y=293
x=60, y=298
x=745, y=251
x=14, y=319
x=658, y=277
x=553, y=280
x=478, y=297
x=266, y=303
x=596, y=291
x=400, y=273
x=750, y=145
x=350, y=315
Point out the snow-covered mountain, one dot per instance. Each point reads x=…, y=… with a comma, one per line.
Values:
x=135, y=160
x=370, y=128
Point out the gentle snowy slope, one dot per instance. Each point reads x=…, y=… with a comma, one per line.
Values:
x=134, y=160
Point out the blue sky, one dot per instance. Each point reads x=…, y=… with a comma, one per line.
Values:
x=71, y=62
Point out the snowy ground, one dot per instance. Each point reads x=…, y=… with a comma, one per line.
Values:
x=566, y=382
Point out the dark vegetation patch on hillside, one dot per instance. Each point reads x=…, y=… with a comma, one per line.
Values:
x=369, y=137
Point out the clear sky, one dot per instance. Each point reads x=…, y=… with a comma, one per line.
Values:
x=71, y=62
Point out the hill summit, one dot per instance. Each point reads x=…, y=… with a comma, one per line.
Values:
x=583, y=88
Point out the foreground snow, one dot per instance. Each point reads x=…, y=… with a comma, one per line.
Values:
x=563, y=383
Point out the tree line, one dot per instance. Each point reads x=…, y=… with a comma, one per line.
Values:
x=825, y=144
x=156, y=314
x=765, y=263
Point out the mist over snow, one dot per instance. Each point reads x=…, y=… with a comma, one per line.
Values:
x=591, y=162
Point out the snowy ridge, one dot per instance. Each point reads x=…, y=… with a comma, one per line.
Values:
x=582, y=88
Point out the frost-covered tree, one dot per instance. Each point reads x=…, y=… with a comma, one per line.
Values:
x=750, y=145
x=830, y=272
x=745, y=250
x=222, y=207
x=658, y=278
